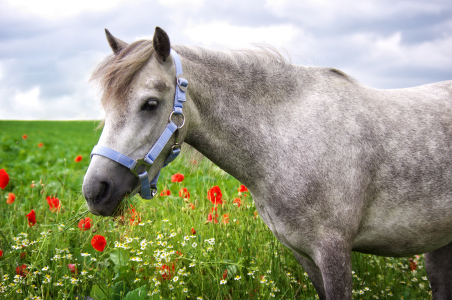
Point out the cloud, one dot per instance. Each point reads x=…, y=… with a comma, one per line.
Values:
x=177, y=4
x=48, y=49
x=56, y=10
x=223, y=34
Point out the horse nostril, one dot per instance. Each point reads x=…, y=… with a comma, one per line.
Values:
x=103, y=192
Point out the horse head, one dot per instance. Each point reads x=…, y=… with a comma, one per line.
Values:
x=139, y=85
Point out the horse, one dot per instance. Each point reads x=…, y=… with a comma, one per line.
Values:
x=333, y=166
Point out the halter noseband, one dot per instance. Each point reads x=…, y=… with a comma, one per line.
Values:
x=148, y=190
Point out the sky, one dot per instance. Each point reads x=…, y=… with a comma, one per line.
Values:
x=48, y=48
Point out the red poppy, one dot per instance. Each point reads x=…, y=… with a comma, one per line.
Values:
x=214, y=195
x=54, y=204
x=225, y=274
x=1, y=253
x=238, y=201
x=193, y=231
x=31, y=218
x=98, y=243
x=184, y=193
x=242, y=189
x=24, y=136
x=135, y=218
x=78, y=158
x=255, y=214
x=165, y=193
x=20, y=270
x=210, y=218
x=167, y=271
x=72, y=268
x=215, y=208
x=85, y=224
x=11, y=198
x=225, y=219
x=178, y=177
x=4, y=178
x=40, y=145
x=192, y=206
x=413, y=264
x=23, y=255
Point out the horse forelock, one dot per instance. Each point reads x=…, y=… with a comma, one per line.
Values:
x=115, y=74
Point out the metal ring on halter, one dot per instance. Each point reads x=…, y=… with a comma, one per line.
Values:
x=175, y=146
x=139, y=163
x=183, y=120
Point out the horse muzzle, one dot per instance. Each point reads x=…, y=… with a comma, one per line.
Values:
x=104, y=191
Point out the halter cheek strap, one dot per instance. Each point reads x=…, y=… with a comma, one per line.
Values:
x=149, y=189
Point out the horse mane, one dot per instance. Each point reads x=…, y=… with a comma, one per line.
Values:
x=261, y=54
x=115, y=74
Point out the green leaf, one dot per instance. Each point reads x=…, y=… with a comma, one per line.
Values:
x=119, y=258
x=121, y=273
x=232, y=270
x=120, y=289
x=99, y=293
x=138, y=294
x=407, y=293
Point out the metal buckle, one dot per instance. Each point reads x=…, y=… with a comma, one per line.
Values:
x=182, y=87
x=183, y=120
x=139, y=163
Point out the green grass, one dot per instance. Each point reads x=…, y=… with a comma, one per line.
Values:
x=138, y=256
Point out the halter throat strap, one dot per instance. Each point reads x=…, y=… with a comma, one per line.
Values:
x=149, y=189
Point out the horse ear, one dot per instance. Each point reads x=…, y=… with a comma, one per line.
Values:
x=116, y=44
x=161, y=44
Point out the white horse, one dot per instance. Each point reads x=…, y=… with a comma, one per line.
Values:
x=333, y=166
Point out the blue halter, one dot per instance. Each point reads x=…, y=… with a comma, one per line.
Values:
x=148, y=190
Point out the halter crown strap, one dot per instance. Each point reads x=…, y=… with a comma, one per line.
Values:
x=182, y=83
x=148, y=190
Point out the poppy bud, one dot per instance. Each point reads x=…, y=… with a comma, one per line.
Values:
x=184, y=209
x=186, y=200
x=179, y=230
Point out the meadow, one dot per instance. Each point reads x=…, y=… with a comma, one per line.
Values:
x=200, y=238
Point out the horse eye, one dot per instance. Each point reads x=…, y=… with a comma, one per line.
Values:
x=150, y=105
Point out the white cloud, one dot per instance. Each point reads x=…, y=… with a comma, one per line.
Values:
x=223, y=34
x=31, y=105
x=182, y=4
x=58, y=9
x=324, y=13
x=2, y=72
x=26, y=104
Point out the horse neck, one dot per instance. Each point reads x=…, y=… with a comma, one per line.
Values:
x=233, y=96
